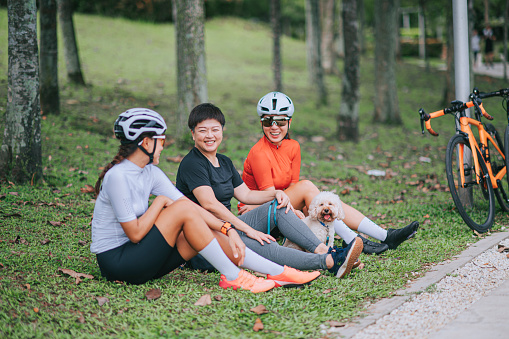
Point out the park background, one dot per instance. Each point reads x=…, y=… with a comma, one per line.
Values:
x=130, y=62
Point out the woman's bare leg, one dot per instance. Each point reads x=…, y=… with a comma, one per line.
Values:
x=302, y=193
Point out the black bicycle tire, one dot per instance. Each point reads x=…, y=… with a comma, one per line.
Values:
x=506, y=151
x=503, y=203
x=482, y=226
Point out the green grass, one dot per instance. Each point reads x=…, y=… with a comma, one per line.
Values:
x=130, y=64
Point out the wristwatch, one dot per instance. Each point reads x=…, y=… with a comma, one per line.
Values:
x=226, y=227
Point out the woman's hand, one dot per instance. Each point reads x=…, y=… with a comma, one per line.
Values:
x=165, y=201
x=259, y=236
x=283, y=201
x=299, y=214
x=247, y=208
x=237, y=245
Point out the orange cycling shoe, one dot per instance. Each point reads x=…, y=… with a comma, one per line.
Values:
x=292, y=277
x=247, y=281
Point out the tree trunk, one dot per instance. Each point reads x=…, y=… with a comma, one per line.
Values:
x=386, y=94
x=348, y=119
x=362, y=23
x=50, y=101
x=20, y=156
x=422, y=5
x=313, y=46
x=275, y=18
x=72, y=59
x=450, y=89
x=506, y=22
x=328, y=54
x=339, y=37
x=192, y=73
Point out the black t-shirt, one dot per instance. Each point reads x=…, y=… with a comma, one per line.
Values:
x=196, y=170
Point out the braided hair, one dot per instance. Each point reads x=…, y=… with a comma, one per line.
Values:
x=124, y=151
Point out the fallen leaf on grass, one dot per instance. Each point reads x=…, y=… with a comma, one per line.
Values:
x=76, y=275
x=258, y=325
x=333, y=323
x=260, y=309
x=204, y=300
x=327, y=291
x=14, y=193
x=82, y=242
x=36, y=309
x=102, y=300
x=55, y=223
x=45, y=241
x=87, y=189
x=218, y=298
x=81, y=319
x=153, y=294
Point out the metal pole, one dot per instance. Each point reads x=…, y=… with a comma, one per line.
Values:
x=462, y=72
x=461, y=49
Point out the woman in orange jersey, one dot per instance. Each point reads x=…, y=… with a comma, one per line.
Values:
x=273, y=163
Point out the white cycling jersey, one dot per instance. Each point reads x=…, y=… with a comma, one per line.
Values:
x=124, y=196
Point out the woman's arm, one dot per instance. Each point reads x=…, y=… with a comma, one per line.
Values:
x=208, y=201
x=138, y=228
x=215, y=224
x=243, y=194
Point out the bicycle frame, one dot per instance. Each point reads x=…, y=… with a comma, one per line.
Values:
x=484, y=136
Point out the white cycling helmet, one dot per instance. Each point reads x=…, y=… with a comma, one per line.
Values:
x=275, y=103
x=135, y=121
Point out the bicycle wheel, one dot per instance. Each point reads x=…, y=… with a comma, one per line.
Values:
x=497, y=164
x=506, y=153
x=476, y=202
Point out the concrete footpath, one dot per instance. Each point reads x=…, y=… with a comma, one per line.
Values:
x=485, y=318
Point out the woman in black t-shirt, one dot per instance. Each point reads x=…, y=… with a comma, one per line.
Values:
x=211, y=180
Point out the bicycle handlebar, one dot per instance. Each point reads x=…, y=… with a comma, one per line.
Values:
x=457, y=106
x=500, y=93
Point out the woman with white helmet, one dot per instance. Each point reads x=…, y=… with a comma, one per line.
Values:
x=273, y=163
x=135, y=242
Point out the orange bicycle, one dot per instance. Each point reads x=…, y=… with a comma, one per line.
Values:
x=475, y=170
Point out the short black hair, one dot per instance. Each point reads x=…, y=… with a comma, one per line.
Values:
x=204, y=112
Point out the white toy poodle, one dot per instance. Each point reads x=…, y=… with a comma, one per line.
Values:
x=323, y=210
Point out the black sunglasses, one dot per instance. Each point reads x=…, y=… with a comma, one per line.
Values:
x=270, y=121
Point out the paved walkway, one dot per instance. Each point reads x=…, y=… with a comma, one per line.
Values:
x=486, y=318
x=496, y=71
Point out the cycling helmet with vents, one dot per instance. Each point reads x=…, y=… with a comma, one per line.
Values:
x=275, y=103
x=136, y=121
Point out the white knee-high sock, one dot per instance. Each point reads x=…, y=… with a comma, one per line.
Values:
x=256, y=262
x=216, y=257
x=344, y=231
x=373, y=230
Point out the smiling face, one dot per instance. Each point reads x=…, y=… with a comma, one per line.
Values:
x=276, y=133
x=207, y=136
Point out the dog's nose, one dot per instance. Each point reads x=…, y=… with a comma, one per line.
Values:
x=326, y=210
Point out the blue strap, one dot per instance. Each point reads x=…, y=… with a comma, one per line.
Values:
x=268, y=219
x=327, y=227
x=274, y=202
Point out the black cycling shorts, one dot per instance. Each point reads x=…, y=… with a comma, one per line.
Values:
x=149, y=259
